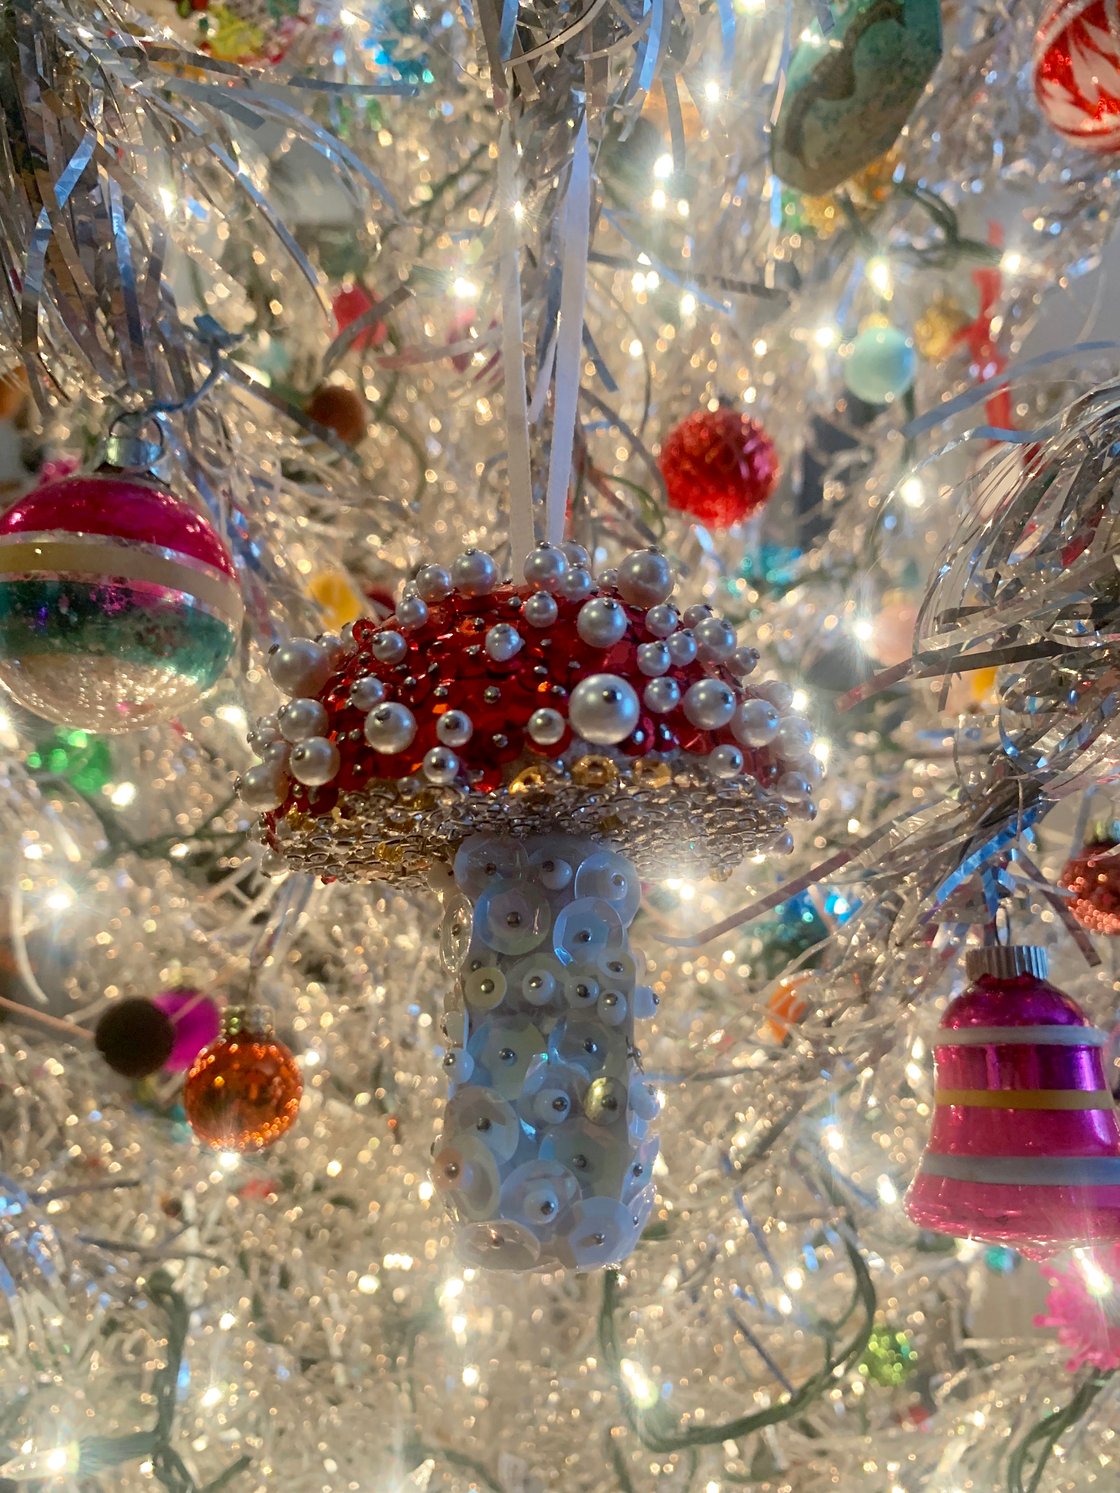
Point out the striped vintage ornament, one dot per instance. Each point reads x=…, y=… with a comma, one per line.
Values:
x=1077, y=71
x=1025, y=1146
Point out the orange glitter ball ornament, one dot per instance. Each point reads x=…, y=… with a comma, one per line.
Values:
x=243, y=1091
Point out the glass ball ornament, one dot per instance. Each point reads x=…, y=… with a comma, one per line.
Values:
x=196, y=1020
x=719, y=467
x=881, y=365
x=1077, y=72
x=119, y=604
x=243, y=1091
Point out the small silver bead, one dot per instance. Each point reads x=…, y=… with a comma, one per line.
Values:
x=441, y=765
x=315, y=761
x=455, y=728
x=266, y=729
x=794, y=787
x=388, y=647
x=503, y=642
x=653, y=659
x=682, y=648
x=576, y=584
x=645, y=578
x=474, y=573
x=302, y=718
x=540, y=609
x=412, y=613
x=390, y=728
x=366, y=692
x=662, y=695
x=608, y=579
x=601, y=622
x=433, y=583
x=725, y=761
x=545, y=566
x=546, y=727
x=603, y=709
x=709, y=704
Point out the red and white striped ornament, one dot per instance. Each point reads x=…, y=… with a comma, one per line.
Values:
x=1077, y=71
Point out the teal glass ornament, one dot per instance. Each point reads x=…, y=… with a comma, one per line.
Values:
x=881, y=365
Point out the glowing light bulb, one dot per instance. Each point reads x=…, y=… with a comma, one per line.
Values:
x=712, y=91
x=688, y=303
x=465, y=289
x=879, y=274
x=1097, y=1281
x=912, y=492
x=825, y=336
x=658, y=200
x=1012, y=262
x=642, y=1389
x=123, y=795
x=663, y=168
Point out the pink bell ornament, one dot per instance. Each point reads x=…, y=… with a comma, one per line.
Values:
x=1025, y=1147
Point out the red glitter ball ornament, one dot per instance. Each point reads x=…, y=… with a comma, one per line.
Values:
x=719, y=467
x=1095, y=885
x=1077, y=72
x=243, y=1091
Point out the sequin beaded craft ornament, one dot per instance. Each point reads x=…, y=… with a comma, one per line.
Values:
x=546, y=741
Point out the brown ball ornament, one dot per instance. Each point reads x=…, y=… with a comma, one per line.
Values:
x=134, y=1037
x=342, y=410
x=243, y=1091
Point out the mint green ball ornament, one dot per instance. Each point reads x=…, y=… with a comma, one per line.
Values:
x=881, y=365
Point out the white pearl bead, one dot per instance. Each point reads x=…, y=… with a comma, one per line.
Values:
x=545, y=566
x=503, y=642
x=715, y=639
x=433, y=583
x=263, y=787
x=782, y=844
x=794, y=787
x=661, y=621
x=662, y=695
x=697, y=613
x=608, y=579
x=366, y=692
x=603, y=709
x=300, y=719
x=575, y=554
x=780, y=695
x=576, y=584
x=412, y=613
x=441, y=765
x=546, y=727
x=334, y=646
x=682, y=648
x=653, y=659
x=276, y=754
x=725, y=761
x=755, y=723
x=474, y=573
x=795, y=737
x=601, y=621
x=540, y=609
x=810, y=767
x=645, y=578
x=455, y=728
x=390, y=728
x=743, y=661
x=315, y=761
x=709, y=704
x=266, y=729
x=388, y=647
x=300, y=666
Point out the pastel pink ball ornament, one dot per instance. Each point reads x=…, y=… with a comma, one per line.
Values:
x=197, y=1021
